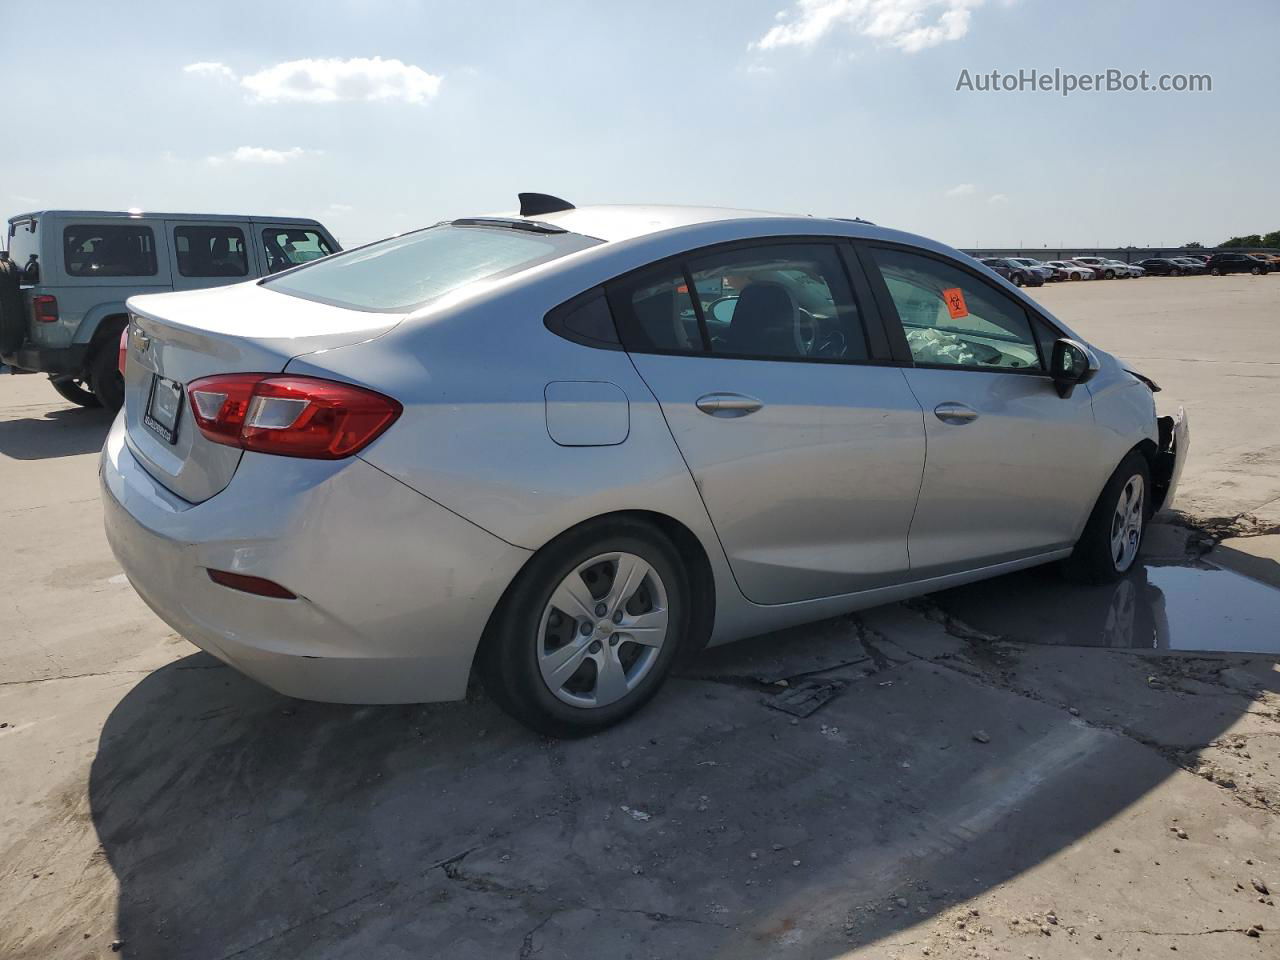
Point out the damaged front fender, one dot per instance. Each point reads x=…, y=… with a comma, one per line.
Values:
x=1166, y=471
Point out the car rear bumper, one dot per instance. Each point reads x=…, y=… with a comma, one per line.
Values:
x=393, y=590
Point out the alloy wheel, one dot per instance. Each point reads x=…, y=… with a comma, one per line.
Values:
x=602, y=630
x=1126, y=524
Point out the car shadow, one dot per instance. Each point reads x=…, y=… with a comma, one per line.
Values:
x=242, y=823
x=64, y=432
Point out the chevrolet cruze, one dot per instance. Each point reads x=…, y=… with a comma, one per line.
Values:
x=561, y=448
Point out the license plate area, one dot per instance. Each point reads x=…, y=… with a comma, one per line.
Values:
x=164, y=408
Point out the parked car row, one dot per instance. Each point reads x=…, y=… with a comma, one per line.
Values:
x=1027, y=271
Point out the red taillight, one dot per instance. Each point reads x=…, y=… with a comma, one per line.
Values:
x=45, y=308
x=246, y=584
x=289, y=416
x=124, y=349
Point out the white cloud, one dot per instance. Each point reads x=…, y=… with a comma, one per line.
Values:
x=998, y=198
x=340, y=208
x=962, y=190
x=908, y=25
x=264, y=155
x=332, y=80
x=210, y=68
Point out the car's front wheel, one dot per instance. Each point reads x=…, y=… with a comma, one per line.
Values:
x=1255, y=270
x=1216, y=271
x=589, y=629
x=1112, y=537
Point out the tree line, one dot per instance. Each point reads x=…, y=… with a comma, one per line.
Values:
x=1271, y=239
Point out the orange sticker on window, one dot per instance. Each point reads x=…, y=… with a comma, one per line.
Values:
x=954, y=297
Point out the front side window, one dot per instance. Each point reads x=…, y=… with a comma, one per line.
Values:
x=402, y=273
x=109, y=251
x=953, y=319
x=210, y=251
x=288, y=247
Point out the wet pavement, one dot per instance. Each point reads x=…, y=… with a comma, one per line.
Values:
x=1189, y=606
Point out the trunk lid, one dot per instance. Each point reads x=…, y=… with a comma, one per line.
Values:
x=181, y=337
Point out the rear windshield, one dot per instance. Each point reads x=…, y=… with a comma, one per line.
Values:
x=22, y=241
x=404, y=272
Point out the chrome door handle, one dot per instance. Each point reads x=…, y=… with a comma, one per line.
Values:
x=728, y=404
x=955, y=413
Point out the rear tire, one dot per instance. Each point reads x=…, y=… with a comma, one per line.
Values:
x=69, y=388
x=105, y=377
x=533, y=644
x=1109, y=546
x=13, y=314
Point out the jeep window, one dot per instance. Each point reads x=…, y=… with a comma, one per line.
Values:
x=288, y=247
x=109, y=251
x=210, y=251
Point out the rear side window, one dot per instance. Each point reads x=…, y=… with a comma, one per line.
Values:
x=109, y=251
x=288, y=247
x=210, y=251
x=785, y=301
x=953, y=319
x=402, y=273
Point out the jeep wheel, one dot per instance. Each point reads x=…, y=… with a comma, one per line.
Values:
x=105, y=377
x=69, y=388
x=13, y=318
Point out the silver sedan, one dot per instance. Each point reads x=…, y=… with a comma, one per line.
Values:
x=562, y=447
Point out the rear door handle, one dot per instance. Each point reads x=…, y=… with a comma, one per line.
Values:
x=956, y=413
x=728, y=404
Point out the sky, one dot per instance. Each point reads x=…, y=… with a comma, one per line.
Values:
x=377, y=116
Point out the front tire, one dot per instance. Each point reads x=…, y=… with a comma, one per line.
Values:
x=1109, y=546
x=1216, y=271
x=587, y=632
x=1256, y=271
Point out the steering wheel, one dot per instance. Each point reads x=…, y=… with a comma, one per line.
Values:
x=805, y=330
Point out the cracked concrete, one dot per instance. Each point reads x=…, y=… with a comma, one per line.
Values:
x=1122, y=801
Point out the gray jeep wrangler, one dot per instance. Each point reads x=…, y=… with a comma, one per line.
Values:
x=67, y=274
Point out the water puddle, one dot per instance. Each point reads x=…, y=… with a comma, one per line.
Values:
x=1195, y=607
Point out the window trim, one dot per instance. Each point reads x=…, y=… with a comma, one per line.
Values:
x=244, y=240
x=150, y=230
x=866, y=308
x=554, y=320
x=897, y=330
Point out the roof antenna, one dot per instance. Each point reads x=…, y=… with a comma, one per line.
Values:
x=536, y=204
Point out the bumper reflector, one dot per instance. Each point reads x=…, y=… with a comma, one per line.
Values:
x=256, y=585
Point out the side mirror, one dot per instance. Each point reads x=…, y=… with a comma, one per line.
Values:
x=1071, y=364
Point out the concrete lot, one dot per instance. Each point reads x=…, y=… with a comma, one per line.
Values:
x=961, y=795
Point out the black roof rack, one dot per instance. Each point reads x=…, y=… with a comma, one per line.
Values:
x=534, y=204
